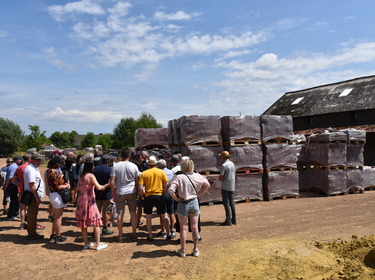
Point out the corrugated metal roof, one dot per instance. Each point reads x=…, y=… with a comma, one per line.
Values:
x=356, y=94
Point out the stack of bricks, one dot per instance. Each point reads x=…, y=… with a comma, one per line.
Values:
x=154, y=141
x=326, y=157
x=279, y=158
x=356, y=140
x=242, y=138
x=200, y=139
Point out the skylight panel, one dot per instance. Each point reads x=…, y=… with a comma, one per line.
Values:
x=345, y=92
x=298, y=100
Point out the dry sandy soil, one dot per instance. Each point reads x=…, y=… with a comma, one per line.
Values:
x=312, y=237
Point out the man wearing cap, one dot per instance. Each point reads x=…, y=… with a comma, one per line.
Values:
x=228, y=179
x=155, y=182
x=12, y=190
x=34, y=183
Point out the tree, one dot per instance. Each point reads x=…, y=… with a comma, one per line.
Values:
x=89, y=140
x=36, y=139
x=124, y=131
x=147, y=120
x=63, y=139
x=72, y=138
x=106, y=141
x=11, y=137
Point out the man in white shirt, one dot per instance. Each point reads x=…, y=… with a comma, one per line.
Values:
x=228, y=180
x=124, y=184
x=33, y=182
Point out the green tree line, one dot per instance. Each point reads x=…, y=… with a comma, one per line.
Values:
x=13, y=139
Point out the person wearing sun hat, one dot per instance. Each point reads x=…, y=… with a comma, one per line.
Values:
x=33, y=182
x=154, y=181
x=228, y=181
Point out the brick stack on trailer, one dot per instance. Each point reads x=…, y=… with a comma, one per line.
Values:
x=201, y=141
x=242, y=138
x=279, y=158
x=369, y=177
x=356, y=140
x=326, y=162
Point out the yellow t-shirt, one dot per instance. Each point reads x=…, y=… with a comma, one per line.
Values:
x=153, y=180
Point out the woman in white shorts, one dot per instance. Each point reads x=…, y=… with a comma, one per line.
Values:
x=56, y=183
x=186, y=188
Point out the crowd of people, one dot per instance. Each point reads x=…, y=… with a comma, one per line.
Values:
x=100, y=187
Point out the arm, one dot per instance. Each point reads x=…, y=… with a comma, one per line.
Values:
x=33, y=188
x=96, y=184
x=112, y=185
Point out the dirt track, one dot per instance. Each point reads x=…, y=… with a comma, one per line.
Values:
x=277, y=230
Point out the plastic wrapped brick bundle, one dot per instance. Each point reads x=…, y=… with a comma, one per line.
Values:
x=240, y=129
x=328, y=136
x=326, y=154
x=250, y=156
x=301, y=155
x=202, y=130
x=279, y=184
x=280, y=155
x=354, y=135
x=368, y=177
x=354, y=154
x=174, y=132
x=214, y=192
x=149, y=138
x=303, y=182
x=354, y=179
x=249, y=187
x=276, y=127
x=205, y=158
x=327, y=181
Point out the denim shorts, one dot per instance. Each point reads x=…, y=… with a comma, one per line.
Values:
x=187, y=207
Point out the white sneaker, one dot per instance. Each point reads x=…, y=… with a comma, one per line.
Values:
x=181, y=253
x=87, y=246
x=101, y=246
x=196, y=253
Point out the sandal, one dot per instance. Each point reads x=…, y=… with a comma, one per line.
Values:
x=181, y=253
x=196, y=253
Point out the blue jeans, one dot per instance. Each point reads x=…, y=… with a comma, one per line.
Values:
x=228, y=202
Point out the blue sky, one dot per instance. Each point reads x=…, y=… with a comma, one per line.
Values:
x=84, y=65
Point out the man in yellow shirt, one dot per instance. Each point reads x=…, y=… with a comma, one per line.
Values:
x=154, y=181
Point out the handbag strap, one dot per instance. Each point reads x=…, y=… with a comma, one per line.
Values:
x=192, y=184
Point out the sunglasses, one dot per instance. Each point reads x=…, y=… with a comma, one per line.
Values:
x=9, y=161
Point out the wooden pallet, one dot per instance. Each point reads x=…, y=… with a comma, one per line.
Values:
x=278, y=141
x=356, y=191
x=354, y=167
x=327, y=168
x=369, y=188
x=283, y=197
x=208, y=172
x=247, y=200
x=281, y=169
x=242, y=142
x=357, y=141
x=204, y=144
x=248, y=170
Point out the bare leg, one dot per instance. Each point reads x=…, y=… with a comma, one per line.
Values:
x=56, y=228
x=97, y=235
x=84, y=235
x=149, y=224
x=183, y=230
x=133, y=220
x=194, y=229
x=120, y=221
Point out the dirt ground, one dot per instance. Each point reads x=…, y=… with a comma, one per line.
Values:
x=312, y=237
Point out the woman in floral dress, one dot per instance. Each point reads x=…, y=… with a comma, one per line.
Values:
x=87, y=213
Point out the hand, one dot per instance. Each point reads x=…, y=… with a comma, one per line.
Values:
x=38, y=200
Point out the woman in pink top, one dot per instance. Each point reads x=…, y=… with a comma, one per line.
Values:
x=186, y=188
x=87, y=213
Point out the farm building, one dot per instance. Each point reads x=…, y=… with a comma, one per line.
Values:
x=347, y=104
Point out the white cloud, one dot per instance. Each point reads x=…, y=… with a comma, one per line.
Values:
x=51, y=56
x=80, y=7
x=79, y=115
x=180, y=15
